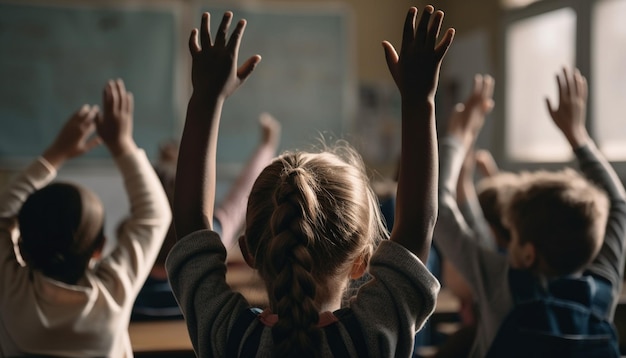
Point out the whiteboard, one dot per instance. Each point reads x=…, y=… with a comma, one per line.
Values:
x=306, y=78
x=57, y=57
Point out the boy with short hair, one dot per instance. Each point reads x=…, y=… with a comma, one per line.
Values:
x=588, y=246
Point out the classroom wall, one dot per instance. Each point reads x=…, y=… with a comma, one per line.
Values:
x=373, y=21
x=377, y=20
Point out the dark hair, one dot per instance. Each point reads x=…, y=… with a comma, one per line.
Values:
x=563, y=215
x=61, y=226
x=309, y=216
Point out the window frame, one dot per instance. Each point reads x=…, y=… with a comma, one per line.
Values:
x=583, y=60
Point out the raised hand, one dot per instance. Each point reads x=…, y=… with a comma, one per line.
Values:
x=115, y=124
x=270, y=130
x=485, y=163
x=416, y=69
x=571, y=114
x=214, y=69
x=416, y=73
x=468, y=118
x=75, y=138
x=215, y=76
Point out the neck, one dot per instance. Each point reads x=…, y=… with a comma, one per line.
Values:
x=158, y=272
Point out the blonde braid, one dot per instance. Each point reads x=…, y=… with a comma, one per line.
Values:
x=309, y=217
x=290, y=262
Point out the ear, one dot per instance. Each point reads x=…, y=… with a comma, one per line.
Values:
x=247, y=256
x=528, y=255
x=358, y=267
x=97, y=253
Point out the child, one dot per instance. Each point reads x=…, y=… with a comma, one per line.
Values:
x=156, y=300
x=68, y=301
x=557, y=224
x=478, y=105
x=311, y=220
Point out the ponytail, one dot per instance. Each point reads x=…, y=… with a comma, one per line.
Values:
x=309, y=216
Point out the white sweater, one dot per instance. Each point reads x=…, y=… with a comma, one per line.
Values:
x=39, y=315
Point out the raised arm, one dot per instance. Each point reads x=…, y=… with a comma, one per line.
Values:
x=469, y=117
x=475, y=108
x=214, y=77
x=231, y=211
x=115, y=125
x=456, y=240
x=571, y=114
x=141, y=236
x=570, y=118
x=416, y=73
x=471, y=114
x=74, y=139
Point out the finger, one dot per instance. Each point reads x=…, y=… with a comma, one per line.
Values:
x=562, y=88
x=576, y=82
x=90, y=117
x=92, y=143
x=235, y=38
x=408, y=34
x=80, y=113
x=130, y=99
x=266, y=120
x=488, y=86
x=422, y=26
x=477, y=89
x=584, y=88
x=108, y=98
x=99, y=119
x=88, y=124
x=567, y=82
x=87, y=129
x=391, y=56
x=444, y=44
x=549, y=106
x=194, y=48
x=121, y=96
x=115, y=98
x=246, y=69
x=433, y=29
x=580, y=85
x=205, y=31
x=222, y=31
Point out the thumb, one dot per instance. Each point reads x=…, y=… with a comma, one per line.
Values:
x=246, y=69
x=391, y=56
x=549, y=107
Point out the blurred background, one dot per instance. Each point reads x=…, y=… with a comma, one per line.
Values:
x=323, y=75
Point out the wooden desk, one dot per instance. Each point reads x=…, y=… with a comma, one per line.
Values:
x=160, y=338
x=447, y=302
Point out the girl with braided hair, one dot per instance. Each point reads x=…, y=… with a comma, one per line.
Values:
x=312, y=221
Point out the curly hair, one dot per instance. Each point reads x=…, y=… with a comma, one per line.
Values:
x=309, y=216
